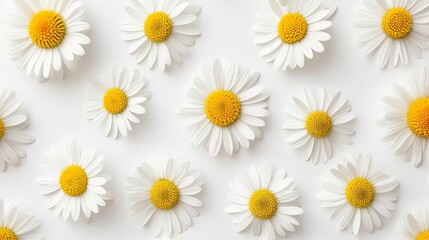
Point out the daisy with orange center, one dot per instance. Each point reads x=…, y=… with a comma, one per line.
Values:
x=415, y=225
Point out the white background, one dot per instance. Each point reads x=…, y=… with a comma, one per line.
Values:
x=56, y=112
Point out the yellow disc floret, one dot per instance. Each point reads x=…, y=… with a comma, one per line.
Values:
x=47, y=29
x=292, y=28
x=397, y=23
x=360, y=192
x=115, y=101
x=158, y=27
x=418, y=117
x=7, y=234
x=423, y=235
x=263, y=204
x=73, y=181
x=318, y=124
x=2, y=128
x=222, y=108
x=164, y=194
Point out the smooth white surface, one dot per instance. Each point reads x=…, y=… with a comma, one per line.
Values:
x=56, y=112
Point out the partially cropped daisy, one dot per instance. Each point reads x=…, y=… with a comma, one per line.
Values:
x=115, y=99
x=163, y=194
x=358, y=194
x=15, y=224
x=289, y=34
x=405, y=116
x=317, y=123
x=415, y=226
x=393, y=29
x=159, y=31
x=225, y=108
x=13, y=120
x=73, y=179
x=46, y=36
x=265, y=200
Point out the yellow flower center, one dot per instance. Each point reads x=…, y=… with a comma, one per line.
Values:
x=222, y=108
x=7, y=234
x=318, y=124
x=397, y=23
x=423, y=235
x=115, y=101
x=73, y=181
x=418, y=117
x=164, y=194
x=360, y=192
x=292, y=28
x=158, y=27
x=263, y=204
x=2, y=128
x=47, y=29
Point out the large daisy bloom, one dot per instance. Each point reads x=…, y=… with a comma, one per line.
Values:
x=405, y=116
x=415, y=226
x=393, y=29
x=73, y=179
x=13, y=120
x=16, y=225
x=266, y=200
x=225, y=108
x=317, y=123
x=115, y=99
x=46, y=36
x=159, y=31
x=358, y=194
x=289, y=34
x=163, y=193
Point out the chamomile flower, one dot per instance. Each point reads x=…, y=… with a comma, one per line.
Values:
x=160, y=31
x=16, y=225
x=13, y=120
x=46, y=36
x=415, y=226
x=72, y=178
x=393, y=29
x=358, y=194
x=163, y=192
x=291, y=33
x=405, y=116
x=115, y=99
x=225, y=108
x=266, y=200
x=317, y=123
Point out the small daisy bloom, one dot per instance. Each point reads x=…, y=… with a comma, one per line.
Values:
x=160, y=30
x=163, y=192
x=289, y=34
x=266, y=200
x=12, y=122
x=415, y=226
x=115, y=99
x=317, y=123
x=405, y=116
x=358, y=194
x=46, y=36
x=16, y=225
x=225, y=108
x=72, y=178
x=393, y=29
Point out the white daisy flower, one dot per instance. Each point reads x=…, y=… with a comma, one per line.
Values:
x=13, y=120
x=160, y=30
x=358, y=194
x=163, y=192
x=16, y=225
x=317, y=123
x=405, y=116
x=415, y=226
x=225, y=108
x=73, y=180
x=266, y=200
x=46, y=36
x=115, y=99
x=291, y=33
x=393, y=29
